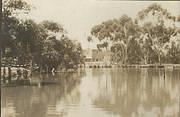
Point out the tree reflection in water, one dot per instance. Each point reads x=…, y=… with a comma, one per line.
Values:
x=139, y=92
x=40, y=101
x=98, y=93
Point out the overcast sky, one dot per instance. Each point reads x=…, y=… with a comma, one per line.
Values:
x=79, y=16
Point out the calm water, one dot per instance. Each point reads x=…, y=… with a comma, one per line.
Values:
x=97, y=93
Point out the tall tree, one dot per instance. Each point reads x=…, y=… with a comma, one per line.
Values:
x=10, y=9
x=0, y=36
x=134, y=54
x=117, y=30
x=172, y=50
x=118, y=50
x=157, y=30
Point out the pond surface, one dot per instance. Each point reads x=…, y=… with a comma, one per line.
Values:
x=97, y=93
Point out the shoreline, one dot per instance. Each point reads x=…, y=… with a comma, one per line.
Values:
x=169, y=66
x=151, y=66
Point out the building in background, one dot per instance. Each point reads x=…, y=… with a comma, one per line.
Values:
x=97, y=58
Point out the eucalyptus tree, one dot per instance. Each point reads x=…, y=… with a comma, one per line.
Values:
x=52, y=26
x=43, y=44
x=154, y=20
x=10, y=11
x=148, y=54
x=29, y=40
x=118, y=49
x=15, y=7
x=134, y=53
x=173, y=50
x=150, y=32
x=49, y=56
x=72, y=53
x=58, y=48
x=116, y=31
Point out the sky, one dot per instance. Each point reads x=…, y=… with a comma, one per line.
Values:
x=79, y=16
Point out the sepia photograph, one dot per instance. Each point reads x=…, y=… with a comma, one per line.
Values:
x=89, y=58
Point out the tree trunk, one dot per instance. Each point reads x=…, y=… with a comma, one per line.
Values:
x=146, y=58
x=4, y=74
x=9, y=74
x=31, y=67
x=125, y=57
x=125, y=33
x=0, y=35
x=159, y=58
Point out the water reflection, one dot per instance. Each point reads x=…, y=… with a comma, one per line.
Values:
x=98, y=93
x=39, y=101
x=139, y=93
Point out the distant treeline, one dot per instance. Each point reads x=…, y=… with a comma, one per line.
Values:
x=45, y=44
x=152, y=37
